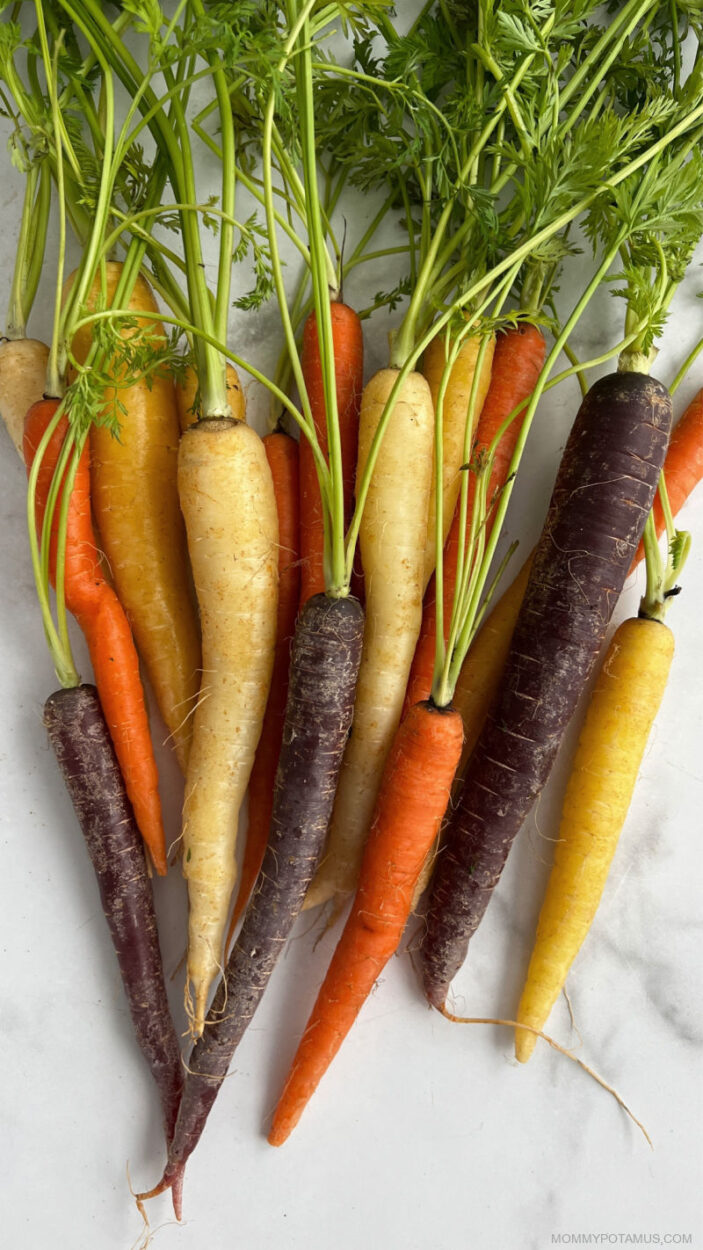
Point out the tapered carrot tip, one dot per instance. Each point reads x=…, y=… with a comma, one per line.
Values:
x=525, y=1042
x=172, y=1179
x=177, y=1193
x=282, y=1128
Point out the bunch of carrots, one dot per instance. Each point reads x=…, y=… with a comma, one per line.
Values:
x=319, y=612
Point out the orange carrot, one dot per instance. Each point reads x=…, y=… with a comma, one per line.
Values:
x=349, y=374
x=517, y=361
x=101, y=617
x=411, y=804
x=282, y=455
x=683, y=467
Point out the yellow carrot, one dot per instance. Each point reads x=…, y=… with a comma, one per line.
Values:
x=623, y=706
x=454, y=416
x=135, y=505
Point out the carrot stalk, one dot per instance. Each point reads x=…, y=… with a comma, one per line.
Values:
x=324, y=666
x=101, y=617
x=603, y=493
x=460, y=387
x=81, y=742
x=411, y=804
x=282, y=455
x=348, y=348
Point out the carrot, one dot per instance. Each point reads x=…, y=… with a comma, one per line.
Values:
x=603, y=493
x=518, y=358
x=391, y=537
x=482, y=670
x=22, y=379
x=101, y=617
x=620, y=716
x=136, y=509
x=226, y=493
x=79, y=736
x=282, y=455
x=683, y=467
x=411, y=804
x=348, y=346
x=457, y=401
x=324, y=665
x=483, y=667
x=188, y=397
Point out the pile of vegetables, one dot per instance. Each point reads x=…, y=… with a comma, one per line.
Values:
x=320, y=612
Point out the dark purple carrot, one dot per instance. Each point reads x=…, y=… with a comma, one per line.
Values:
x=604, y=490
x=81, y=741
x=325, y=661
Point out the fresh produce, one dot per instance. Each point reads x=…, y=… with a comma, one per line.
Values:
x=135, y=505
x=391, y=541
x=101, y=617
x=79, y=737
x=620, y=715
x=410, y=807
x=605, y=488
x=324, y=667
x=223, y=476
x=216, y=160
x=516, y=364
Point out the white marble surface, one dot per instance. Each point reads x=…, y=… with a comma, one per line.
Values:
x=423, y=1134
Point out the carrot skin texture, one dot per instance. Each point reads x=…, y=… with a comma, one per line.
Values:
x=229, y=506
x=282, y=455
x=81, y=742
x=347, y=338
x=106, y=628
x=517, y=361
x=683, y=467
x=621, y=712
x=604, y=490
x=324, y=666
x=411, y=804
x=22, y=380
x=135, y=504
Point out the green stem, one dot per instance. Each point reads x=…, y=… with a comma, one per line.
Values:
x=336, y=582
x=16, y=325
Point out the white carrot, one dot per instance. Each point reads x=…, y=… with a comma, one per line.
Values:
x=229, y=506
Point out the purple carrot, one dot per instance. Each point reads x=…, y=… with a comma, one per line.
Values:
x=325, y=661
x=604, y=490
x=81, y=741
